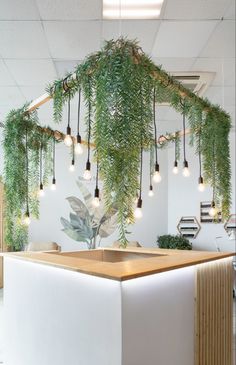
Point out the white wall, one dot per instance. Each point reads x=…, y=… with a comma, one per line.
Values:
x=54, y=205
x=184, y=200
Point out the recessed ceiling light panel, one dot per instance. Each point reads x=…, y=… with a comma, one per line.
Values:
x=132, y=9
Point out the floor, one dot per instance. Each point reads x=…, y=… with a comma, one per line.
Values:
x=1, y=328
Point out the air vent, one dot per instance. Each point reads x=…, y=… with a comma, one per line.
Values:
x=197, y=82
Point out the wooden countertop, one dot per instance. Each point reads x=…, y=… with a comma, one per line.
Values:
x=122, y=270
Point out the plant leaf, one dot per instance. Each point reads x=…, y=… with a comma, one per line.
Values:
x=78, y=207
x=108, y=226
x=77, y=236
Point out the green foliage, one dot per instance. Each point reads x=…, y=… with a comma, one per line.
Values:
x=174, y=242
x=121, y=79
x=15, y=176
x=89, y=222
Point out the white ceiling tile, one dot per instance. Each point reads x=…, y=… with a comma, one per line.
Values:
x=70, y=9
x=230, y=12
x=63, y=67
x=222, y=41
x=173, y=64
x=192, y=9
x=11, y=95
x=5, y=76
x=32, y=72
x=19, y=39
x=72, y=40
x=182, y=39
x=32, y=92
x=142, y=30
x=19, y=10
x=223, y=67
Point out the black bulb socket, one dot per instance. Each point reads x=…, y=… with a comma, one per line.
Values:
x=139, y=203
x=176, y=163
x=186, y=163
x=27, y=213
x=96, y=193
x=78, y=138
x=54, y=181
x=157, y=167
x=41, y=186
x=68, y=131
x=213, y=204
x=72, y=162
x=200, y=180
x=150, y=187
x=88, y=165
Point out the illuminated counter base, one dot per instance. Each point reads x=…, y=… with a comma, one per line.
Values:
x=56, y=316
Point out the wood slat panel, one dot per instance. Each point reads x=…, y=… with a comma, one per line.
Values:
x=214, y=313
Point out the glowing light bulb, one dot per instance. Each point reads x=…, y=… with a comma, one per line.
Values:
x=201, y=186
x=41, y=193
x=72, y=168
x=175, y=168
x=156, y=177
x=138, y=213
x=150, y=193
x=87, y=173
x=186, y=171
x=53, y=187
x=26, y=219
x=78, y=149
x=213, y=211
x=96, y=202
x=68, y=140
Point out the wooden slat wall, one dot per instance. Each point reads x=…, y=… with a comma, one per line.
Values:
x=214, y=313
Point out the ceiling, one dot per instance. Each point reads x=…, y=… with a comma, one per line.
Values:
x=41, y=40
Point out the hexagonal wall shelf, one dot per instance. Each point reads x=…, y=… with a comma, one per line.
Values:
x=188, y=227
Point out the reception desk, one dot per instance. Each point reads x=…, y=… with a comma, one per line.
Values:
x=118, y=307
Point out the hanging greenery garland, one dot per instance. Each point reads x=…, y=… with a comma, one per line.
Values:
x=22, y=180
x=117, y=85
x=115, y=74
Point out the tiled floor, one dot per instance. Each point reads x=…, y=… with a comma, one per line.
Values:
x=1, y=326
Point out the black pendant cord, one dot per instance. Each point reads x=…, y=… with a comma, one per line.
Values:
x=27, y=170
x=54, y=159
x=68, y=120
x=89, y=122
x=213, y=169
x=141, y=150
x=97, y=173
x=150, y=168
x=41, y=166
x=155, y=125
x=184, y=140
x=78, y=122
x=199, y=155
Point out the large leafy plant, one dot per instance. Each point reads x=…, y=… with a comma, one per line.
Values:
x=174, y=242
x=87, y=222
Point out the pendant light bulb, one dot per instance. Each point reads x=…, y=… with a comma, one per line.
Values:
x=53, y=186
x=72, y=166
x=96, y=200
x=26, y=219
x=150, y=193
x=87, y=173
x=78, y=146
x=213, y=211
x=138, y=211
x=175, y=168
x=186, y=172
x=156, y=176
x=78, y=149
x=68, y=140
x=201, y=185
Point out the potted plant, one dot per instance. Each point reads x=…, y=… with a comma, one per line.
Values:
x=174, y=242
